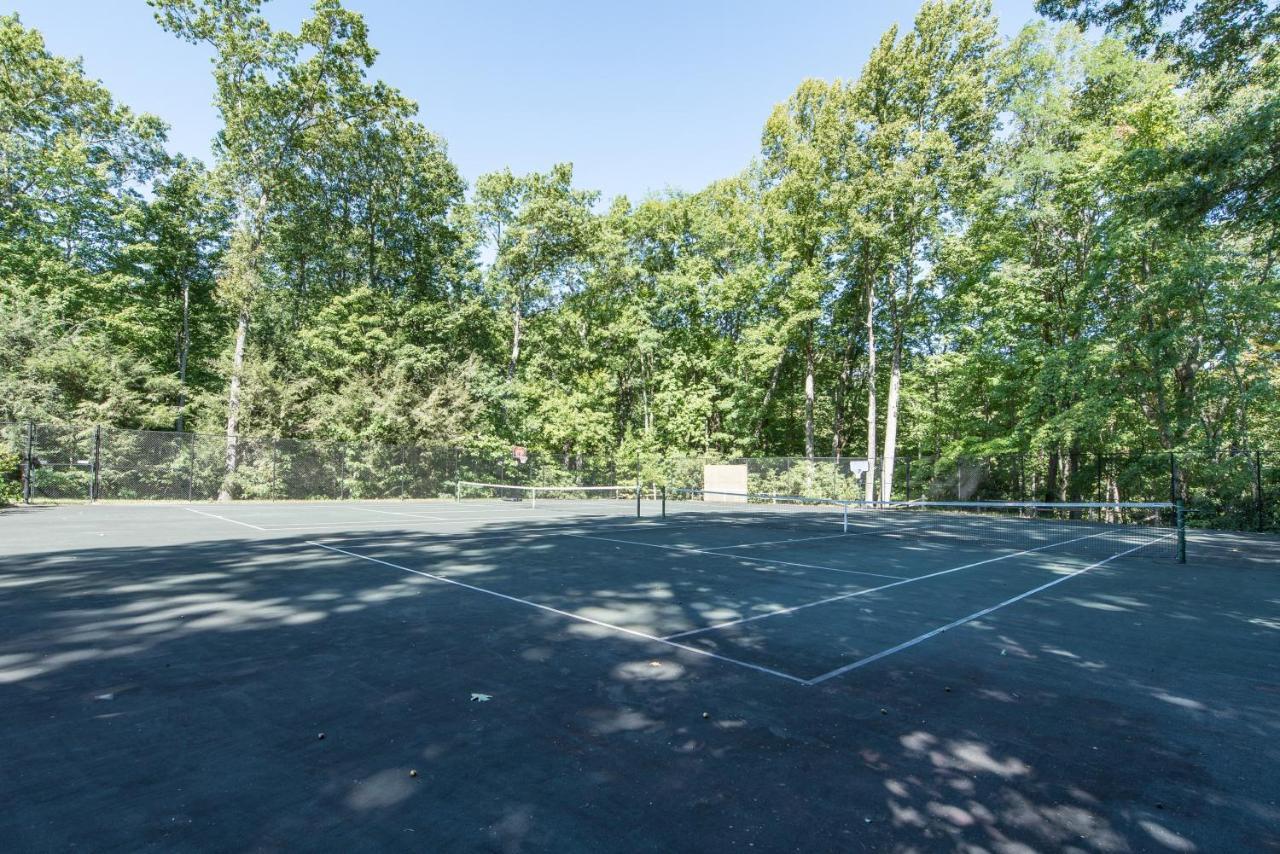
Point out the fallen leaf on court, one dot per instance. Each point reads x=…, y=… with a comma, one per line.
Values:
x=481, y=698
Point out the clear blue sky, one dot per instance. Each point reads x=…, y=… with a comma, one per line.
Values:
x=638, y=96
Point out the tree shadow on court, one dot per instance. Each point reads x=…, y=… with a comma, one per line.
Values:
x=175, y=695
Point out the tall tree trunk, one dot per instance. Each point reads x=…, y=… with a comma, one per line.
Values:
x=1051, y=478
x=251, y=283
x=372, y=261
x=184, y=344
x=768, y=396
x=233, y=404
x=871, y=390
x=516, y=322
x=891, y=416
x=808, y=394
x=899, y=312
x=841, y=393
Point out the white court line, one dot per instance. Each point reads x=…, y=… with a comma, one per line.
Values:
x=841, y=596
x=688, y=550
x=356, y=525
x=881, y=531
x=224, y=518
x=394, y=513
x=776, y=542
x=579, y=617
x=561, y=519
x=974, y=616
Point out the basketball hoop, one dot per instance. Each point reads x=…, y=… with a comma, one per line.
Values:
x=520, y=453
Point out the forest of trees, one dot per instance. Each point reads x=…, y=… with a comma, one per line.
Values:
x=972, y=244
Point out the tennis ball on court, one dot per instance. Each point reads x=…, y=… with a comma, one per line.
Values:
x=320, y=736
x=884, y=711
x=413, y=773
x=706, y=714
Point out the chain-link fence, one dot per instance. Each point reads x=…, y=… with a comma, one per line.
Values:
x=1240, y=491
x=61, y=462
x=76, y=463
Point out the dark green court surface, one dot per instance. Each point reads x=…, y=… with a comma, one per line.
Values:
x=485, y=677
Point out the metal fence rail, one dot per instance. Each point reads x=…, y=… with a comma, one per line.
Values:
x=69, y=462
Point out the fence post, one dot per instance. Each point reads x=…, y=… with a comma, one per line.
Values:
x=28, y=488
x=1257, y=480
x=1097, y=477
x=191, y=469
x=1182, y=533
x=1173, y=478
x=342, y=471
x=97, y=463
x=275, y=449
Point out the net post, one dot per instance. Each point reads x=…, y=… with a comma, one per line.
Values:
x=97, y=463
x=457, y=492
x=639, y=487
x=533, y=498
x=664, y=501
x=845, y=528
x=1182, y=532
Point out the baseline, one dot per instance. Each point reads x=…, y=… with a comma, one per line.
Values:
x=223, y=518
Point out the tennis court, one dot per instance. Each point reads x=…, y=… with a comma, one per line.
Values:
x=629, y=668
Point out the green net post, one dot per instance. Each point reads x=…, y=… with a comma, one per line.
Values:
x=664, y=501
x=533, y=499
x=1182, y=532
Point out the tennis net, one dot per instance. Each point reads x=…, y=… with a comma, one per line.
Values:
x=1104, y=528
x=615, y=500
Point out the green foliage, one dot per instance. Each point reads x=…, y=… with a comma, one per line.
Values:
x=10, y=485
x=1027, y=250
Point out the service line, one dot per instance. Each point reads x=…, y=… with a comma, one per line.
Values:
x=610, y=626
x=693, y=551
x=885, y=653
x=792, y=609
